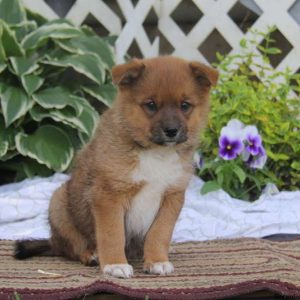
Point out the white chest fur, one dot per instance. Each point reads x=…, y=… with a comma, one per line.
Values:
x=159, y=169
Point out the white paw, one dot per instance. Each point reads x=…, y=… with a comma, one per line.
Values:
x=118, y=270
x=161, y=268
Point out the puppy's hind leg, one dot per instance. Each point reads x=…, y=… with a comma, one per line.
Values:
x=89, y=258
x=66, y=240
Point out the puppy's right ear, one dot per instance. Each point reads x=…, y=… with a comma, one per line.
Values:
x=128, y=73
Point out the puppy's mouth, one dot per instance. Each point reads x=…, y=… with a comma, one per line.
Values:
x=170, y=144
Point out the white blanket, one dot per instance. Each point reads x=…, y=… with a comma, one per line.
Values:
x=24, y=205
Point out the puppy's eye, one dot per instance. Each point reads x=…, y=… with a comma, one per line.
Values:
x=185, y=106
x=150, y=106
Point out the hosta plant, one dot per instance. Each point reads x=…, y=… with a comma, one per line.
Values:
x=54, y=78
x=267, y=99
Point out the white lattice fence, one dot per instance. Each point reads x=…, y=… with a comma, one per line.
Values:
x=216, y=22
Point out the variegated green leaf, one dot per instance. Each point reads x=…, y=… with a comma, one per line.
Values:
x=57, y=98
x=21, y=29
x=35, y=17
x=110, y=39
x=49, y=30
x=9, y=155
x=29, y=25
x=15, y=103
x=38, y=114
x=65, y=116
x=6, y=138
x=3, y=148
x=9, y=42
x=49, y=145
x=90, y=44
x=105, y=93
x=7, y=134
x=87, y=30
x=12, y=11
x=85, y=122
x=89, y=117
x=87, y=64
x=2, y=51
x=61, y=21
x=73, y=135
x=2, y=67
x=32, y=168
x=26, y=167
x=23, y=65
x=84, y=138
x=31, y=83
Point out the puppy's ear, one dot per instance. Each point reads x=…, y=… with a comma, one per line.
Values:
x=205, y=75
x=128, y=73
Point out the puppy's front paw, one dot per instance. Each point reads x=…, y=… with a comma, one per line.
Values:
x=118, y=270
x=159, y=268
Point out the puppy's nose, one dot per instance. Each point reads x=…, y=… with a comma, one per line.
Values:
x=171, y=132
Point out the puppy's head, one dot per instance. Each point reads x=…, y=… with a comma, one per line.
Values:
x=164, y=100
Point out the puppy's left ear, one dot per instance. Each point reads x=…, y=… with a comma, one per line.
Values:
x=204, y=75
x=128, y=73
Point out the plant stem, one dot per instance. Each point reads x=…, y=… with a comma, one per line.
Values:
x=245, y=192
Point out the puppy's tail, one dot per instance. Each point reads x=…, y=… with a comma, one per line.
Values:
x=29, y=248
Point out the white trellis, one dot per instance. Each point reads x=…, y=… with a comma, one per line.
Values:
x=215, y=16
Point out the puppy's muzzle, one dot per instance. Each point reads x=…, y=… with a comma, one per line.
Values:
x=169, y=136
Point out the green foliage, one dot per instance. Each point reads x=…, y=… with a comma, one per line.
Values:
x=272, y=104
x=53, y=79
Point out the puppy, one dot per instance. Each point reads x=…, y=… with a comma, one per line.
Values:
x=127, y=187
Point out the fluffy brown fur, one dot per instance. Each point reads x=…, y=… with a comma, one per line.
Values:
x=89, y=215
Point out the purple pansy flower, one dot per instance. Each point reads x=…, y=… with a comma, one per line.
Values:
x=253, y=140
x=258, y=161
x=236, y=125
x=236, y=138
x=253, y=144
x=230, y=141
x=229, y=148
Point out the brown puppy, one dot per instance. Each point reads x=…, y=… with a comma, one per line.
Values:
x=127, y=187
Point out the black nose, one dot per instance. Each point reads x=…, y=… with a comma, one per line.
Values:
x=171, y=132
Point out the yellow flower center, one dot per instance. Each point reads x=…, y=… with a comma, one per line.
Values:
x=228, y=147
x=251, y=144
